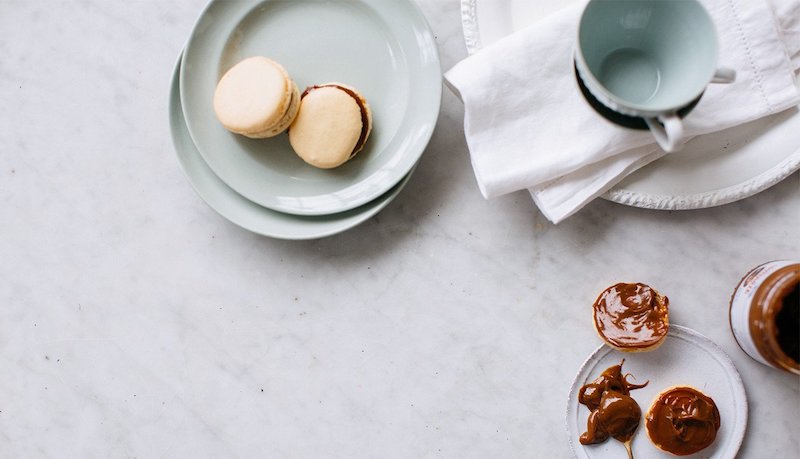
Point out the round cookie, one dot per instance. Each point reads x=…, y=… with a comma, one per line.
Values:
x=682, y=421
x=632, y=317
x=332, y=125
x=256, y=98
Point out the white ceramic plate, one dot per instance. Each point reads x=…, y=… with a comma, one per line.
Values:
x=711, y=170
x=685, y=358
x=246, y=213
x=383, y=48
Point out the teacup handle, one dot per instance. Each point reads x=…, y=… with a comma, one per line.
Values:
x=668, y=133
x=724, y=75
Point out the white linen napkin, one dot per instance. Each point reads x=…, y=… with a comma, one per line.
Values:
x=528, y=126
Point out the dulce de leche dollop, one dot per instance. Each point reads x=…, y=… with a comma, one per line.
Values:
x=613, y=412
x=632, y=317
x=682, y=421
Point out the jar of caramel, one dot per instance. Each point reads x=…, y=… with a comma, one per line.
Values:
x=765, y=314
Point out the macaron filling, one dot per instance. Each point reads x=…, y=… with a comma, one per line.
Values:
x=362, y=138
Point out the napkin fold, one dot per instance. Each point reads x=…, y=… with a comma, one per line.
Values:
x=528, y=126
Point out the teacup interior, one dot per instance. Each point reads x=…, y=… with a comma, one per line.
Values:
x=649, y=54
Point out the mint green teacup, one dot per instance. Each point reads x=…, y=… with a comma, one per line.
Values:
x=649, y=59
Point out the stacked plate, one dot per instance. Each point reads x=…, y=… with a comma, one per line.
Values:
x=385, y=49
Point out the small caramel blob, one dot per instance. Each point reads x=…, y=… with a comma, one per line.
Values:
x=682, y=421
x=617, y=416
x=610, y=379
x=613, y=412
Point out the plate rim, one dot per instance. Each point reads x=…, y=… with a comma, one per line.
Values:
x=469, y=26
x=675, y=331
x=692, y=201
x=358, y=215
x=387, y=173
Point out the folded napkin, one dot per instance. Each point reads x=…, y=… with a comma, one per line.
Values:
x=528, y=126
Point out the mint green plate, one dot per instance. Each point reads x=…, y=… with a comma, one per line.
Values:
x=384, y=48
x=246, y=213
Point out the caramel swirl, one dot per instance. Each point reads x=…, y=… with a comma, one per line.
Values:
x=613, y=412
x=683, y=421
x=632, y=315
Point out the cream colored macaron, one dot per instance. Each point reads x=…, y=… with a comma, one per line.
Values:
x=256, y=98
x=332, y=125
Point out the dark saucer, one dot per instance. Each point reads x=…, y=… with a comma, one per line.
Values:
x=631, y=122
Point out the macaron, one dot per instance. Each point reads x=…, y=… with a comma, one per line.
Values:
x=332, y=125
x=256, y=98
x=632, y=317
x=682, y=420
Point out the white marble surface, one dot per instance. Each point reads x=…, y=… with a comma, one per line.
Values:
x=136, y=322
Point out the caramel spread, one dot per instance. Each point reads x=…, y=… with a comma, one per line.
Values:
x=682, y=421
x=631, y=316
x=786, y=320
x=617, y=416
x=362, y=138
x=765, y=313
x=613, y=412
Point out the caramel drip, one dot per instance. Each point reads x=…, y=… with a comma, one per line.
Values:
x=610, y=379
x=613, y=412
x=617, y=416
x=683, y=421
x=362, y=138
x=632, y=315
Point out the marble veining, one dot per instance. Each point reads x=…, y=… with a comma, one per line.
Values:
x=136, y=322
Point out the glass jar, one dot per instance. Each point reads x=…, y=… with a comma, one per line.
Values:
x=764, y=314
